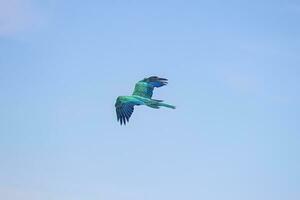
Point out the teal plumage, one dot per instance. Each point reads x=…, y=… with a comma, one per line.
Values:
x=142, y=95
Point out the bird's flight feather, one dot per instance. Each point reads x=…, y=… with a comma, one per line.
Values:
x=145, y=87
x=124, y=110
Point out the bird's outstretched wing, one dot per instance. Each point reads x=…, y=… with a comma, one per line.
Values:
x=145, y=87
x=124, y=110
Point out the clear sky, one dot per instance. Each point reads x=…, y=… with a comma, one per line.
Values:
x=234, y=75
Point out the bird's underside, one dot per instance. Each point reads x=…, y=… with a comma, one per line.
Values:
x=142, y=95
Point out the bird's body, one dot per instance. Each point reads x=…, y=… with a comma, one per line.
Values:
x=142, y=95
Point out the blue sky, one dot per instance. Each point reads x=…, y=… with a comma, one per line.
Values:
x=233, y=70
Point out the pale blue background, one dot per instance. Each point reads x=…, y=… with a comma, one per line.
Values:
x=234, y=72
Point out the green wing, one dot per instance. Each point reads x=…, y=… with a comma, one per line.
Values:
x=145, y=87
x=124, y=110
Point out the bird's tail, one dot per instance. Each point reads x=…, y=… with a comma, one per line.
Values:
x=154, y=103
x=166, y=105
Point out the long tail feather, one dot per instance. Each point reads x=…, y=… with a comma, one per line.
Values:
x=167, y=105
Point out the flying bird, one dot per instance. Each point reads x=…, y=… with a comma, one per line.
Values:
x=142, y=95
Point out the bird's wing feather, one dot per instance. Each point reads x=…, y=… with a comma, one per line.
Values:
x=124, y=111
x=145, y=87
